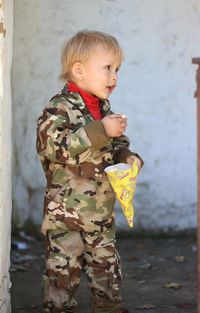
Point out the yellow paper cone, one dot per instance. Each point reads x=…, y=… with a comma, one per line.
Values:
x=123, y=181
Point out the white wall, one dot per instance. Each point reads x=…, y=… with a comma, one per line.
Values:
x=6, y=17
x=155, y=91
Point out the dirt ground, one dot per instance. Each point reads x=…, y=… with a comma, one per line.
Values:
x=159, y=276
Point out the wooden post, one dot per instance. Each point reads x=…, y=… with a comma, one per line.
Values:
x=197, y=95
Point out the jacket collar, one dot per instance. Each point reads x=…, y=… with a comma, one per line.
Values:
x=77, y=100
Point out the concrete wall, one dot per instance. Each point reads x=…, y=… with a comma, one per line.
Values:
x=6, y=29
x=155, y=91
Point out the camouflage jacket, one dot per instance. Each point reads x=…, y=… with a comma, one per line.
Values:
x=74, y=150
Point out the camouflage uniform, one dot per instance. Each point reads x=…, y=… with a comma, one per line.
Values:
x=79, y=203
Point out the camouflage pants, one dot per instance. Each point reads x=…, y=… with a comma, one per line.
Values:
x=66, y=254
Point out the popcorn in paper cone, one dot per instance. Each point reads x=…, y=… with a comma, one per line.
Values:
x=123, y=181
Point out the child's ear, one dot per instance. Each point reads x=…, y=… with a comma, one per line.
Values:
x=77, y=70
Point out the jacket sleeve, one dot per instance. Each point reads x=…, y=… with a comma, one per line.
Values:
x=121, y=150
x=59, y=140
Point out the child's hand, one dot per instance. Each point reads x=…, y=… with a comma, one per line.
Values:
x=132, y=158
x=114, y=124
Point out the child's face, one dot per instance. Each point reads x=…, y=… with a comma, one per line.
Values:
x=99, y=76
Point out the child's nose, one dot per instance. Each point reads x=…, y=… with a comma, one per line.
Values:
x=115, y=77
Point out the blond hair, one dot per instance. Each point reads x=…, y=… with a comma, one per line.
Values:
x=79, y=47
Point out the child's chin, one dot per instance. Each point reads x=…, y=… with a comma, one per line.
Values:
x=105, y=96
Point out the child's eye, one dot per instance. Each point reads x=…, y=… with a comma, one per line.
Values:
x=107, y=67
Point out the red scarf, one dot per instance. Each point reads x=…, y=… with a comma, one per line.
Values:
x=92, y=102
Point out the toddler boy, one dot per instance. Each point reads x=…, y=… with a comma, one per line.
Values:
x=77, y=137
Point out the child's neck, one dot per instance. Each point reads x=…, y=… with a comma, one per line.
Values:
x=91, y=102
x=78, y=88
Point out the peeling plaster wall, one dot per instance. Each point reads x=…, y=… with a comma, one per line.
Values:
x=155, y=91
x=6, y=29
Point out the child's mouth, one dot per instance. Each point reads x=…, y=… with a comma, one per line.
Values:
x=110, y=88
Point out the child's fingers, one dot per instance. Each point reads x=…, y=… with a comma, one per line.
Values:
x=122, y=116
x=116, y=115
x=123, y=123
x=139, y=164
x=132, y=159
